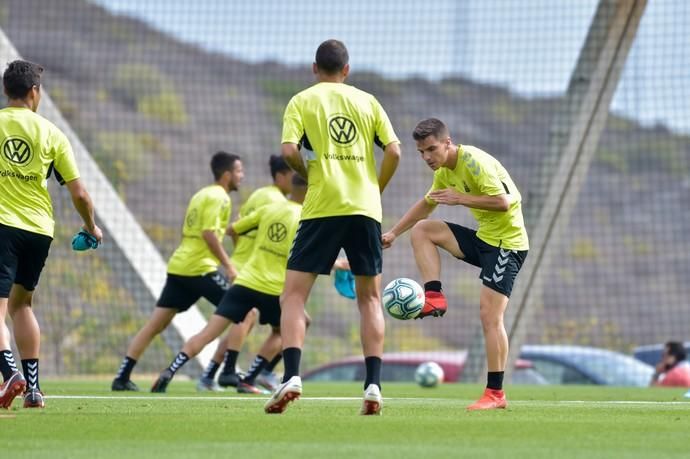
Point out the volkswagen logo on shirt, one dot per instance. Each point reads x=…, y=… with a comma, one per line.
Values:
x=277, y=232
x=342, y=130
x=17, y=150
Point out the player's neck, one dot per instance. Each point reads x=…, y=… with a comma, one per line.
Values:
x=452, y=159
x=225, y=186
x=337, y=78
x=19, y=103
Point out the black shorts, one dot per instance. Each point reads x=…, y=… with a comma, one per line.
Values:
x=181, y=292
x=239, y=300
x=499, y=266
x=319, y=240
x=22, y=257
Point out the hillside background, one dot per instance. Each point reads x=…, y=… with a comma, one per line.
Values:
x=152, y=110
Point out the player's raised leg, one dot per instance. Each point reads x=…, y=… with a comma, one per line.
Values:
x=426, y=237
x=492, y=308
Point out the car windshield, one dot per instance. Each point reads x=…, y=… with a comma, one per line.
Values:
x=616, y=370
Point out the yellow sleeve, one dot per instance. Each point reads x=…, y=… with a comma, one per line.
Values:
x=293, y=126
x=212, y=213
x=384, y=129
x=64, y=163
x=248, y=223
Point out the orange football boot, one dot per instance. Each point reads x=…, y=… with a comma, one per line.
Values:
x=491, y=400
x=435, y=305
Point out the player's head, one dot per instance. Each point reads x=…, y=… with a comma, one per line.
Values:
x=227, y=170
x=332, y=60
x=281, y=173
x=433, y=142
x=676, y=350
x=299, y=189
x=22, y=82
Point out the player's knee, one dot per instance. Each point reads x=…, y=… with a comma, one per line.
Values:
x=490, y=318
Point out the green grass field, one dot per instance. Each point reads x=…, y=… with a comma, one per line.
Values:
x=83, y=419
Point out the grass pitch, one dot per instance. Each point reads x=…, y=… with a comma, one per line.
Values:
x=83, y=419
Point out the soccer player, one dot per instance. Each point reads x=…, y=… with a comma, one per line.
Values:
x=228, y=349
x=193, y=268
x=30, y=149
x=337, y=125
x=258, y=284
x=469, y=177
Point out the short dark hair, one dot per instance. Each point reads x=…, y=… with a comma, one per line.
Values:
x=19, y=77
x=676, y=349
x=222, y=162
x=298, y=180
x=331, y=56
x=429, y=127
x=277, y=164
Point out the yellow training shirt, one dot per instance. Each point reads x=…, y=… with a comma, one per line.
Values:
x=338, y=125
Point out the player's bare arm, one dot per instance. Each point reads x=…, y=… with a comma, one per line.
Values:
x=290, y=152
x=83, y=204
x=420, y=210
x=391, y=158
x=450, y=197
x=219, y=252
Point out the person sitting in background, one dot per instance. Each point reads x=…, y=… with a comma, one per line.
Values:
x=672, y=370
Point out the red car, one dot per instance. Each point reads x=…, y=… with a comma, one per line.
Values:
x=400, y=366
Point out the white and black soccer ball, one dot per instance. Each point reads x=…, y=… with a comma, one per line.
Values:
x=429, y=374
x=403, y=298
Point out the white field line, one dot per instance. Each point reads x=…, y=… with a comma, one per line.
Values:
x=526, y=403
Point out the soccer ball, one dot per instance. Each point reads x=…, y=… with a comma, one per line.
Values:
x=403, y=298
x=429, y=374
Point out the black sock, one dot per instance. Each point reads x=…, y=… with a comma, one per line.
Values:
x=373, y=365
x=258, y=364
x=126, y=367
x=494, y=380
x=432, y=286
x=30, y=367
x=272, y=364
x=230, y=362
x=291, y=358
x=7, y=364
x=179, y=361
x=211, y=370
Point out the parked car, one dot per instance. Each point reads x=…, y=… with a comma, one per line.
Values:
x=651, y=353
x=561, y=364
x=400, y=366
x=538, y=364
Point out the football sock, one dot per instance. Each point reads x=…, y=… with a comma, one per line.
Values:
x=432, y=286
x=373, y=365
x=494, y=380
x=179, y=361
x=258, y=364
x=230, y=362
x=273, y=363
x=7, y=364
x=126, y=367
x=30, y=367
x=211, y=370
x=291, y=358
